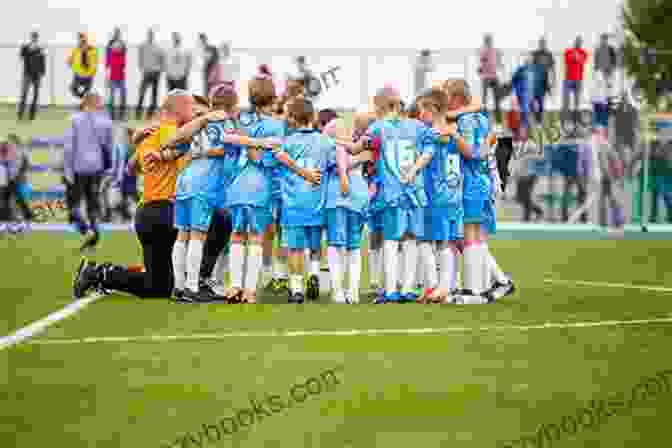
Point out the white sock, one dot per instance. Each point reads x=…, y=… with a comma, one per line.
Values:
x=180, y=263
x=494, y=269
x=295, y=283
x=254, y=262
x=221, y=268
x=472, y=268
x=410, y=253
x=354, y=273
x=391, y=256
x=427, y=259
x=314, y=264
x=237, y=264
x=194, y=258
x=374, y=277
x=484, y=276
x=448, y=262
x=400, y=265
x=280, y=270
x=335, y=262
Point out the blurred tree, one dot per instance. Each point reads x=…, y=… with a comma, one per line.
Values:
x=647, y=52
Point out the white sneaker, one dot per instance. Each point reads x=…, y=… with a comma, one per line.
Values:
x=339, y=297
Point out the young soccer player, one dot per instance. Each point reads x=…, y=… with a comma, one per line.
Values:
x=472, y=132
x=346, y=202
x=403, y=198
x=249, y=196
x=302, y=216
x=200, y=189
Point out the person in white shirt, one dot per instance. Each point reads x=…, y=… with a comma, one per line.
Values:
x=178, y=65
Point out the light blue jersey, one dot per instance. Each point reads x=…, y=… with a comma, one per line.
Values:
x=357, y=198
x=474, y=128
x=302, y=202
x=444, y=175
x=208, y=177
x=251, y=183
x=400, y=141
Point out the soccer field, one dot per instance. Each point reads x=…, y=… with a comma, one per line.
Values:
x=124, y=372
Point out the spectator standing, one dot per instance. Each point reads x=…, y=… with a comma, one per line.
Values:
x=210, y=61
x=178, y=65
x=490, y=60
x=544, y=61
x=423, y=66
x=606, y=59
x=115, y=63
x=87, y=157
x=34, y=67
x=575, y=61
x=151, y=61
x=83, y=61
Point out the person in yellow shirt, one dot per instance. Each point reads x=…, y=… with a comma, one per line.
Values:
x=83, y=61
x=154, y=221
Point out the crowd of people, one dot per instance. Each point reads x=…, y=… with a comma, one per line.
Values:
x=222, y=183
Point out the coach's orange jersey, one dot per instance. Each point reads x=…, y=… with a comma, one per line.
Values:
x=159, y=184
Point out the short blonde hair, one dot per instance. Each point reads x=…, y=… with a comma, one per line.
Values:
x=458, y=88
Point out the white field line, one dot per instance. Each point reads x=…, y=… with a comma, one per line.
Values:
x=362, y=332
x=42, y=324
x=609, y=285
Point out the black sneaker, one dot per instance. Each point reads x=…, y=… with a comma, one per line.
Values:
x=91, y=239
x=88, y=277
x=313, y=288
x=177, y=295
x=207, y=287
x=196, y=296
x=296, y=297
x=500, y=290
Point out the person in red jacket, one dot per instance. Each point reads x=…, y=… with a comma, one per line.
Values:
x=575, y=61
x=115, y=63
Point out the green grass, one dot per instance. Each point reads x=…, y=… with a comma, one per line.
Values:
x=462, y=389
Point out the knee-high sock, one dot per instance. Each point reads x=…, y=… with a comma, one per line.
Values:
x=428, y=261
x=335, y=262
x=448, y=267
x=237, y=264
x=280, y=267
x=409, y=250
x=313, y=266
x=354, y=272
x=473, y=267
x=374, y=275
x=254, y=262
x=194, y=258
x=391, y=255
x=180, y=263
x=221, y=268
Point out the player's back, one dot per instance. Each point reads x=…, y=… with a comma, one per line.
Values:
x=444, y=176
x=474, y=128
x=303, y=202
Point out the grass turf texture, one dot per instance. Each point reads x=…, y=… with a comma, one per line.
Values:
x=471, y=389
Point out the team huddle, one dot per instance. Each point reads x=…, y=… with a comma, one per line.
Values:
x=423, y=181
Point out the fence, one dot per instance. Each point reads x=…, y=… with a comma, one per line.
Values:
x=362, y=71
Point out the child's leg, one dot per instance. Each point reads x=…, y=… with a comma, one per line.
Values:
x=180, y=259
x=336, y=241
x=268, y=239
x=428, y=261
x=473, y=259
x=295, y=261
x=194, y=257
x=238, y=259
x=254, y=265
x=391, y=244
x=355, y=227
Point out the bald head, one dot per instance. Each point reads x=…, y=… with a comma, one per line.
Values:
x=178, y=106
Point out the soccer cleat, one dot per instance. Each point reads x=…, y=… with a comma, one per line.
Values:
x=88, y=277
x=91, y=239
x=206, y=287
x=196, y=296
x=296, y=297
x=395, y=297
x=313, y=288
x=409, y=297
x=178, y=296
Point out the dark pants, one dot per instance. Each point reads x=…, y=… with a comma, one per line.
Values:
x=219, y=235
x=87, y=187
x=177, y=83
x=524, y=197
x=157, y=234
x=118, y=88
x=150, y=79
x=538, y=107
x=81, y=86
x=492, y=84
x=27, y=83
x=581, y=197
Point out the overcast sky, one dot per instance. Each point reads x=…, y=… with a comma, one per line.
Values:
x=318, y=23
